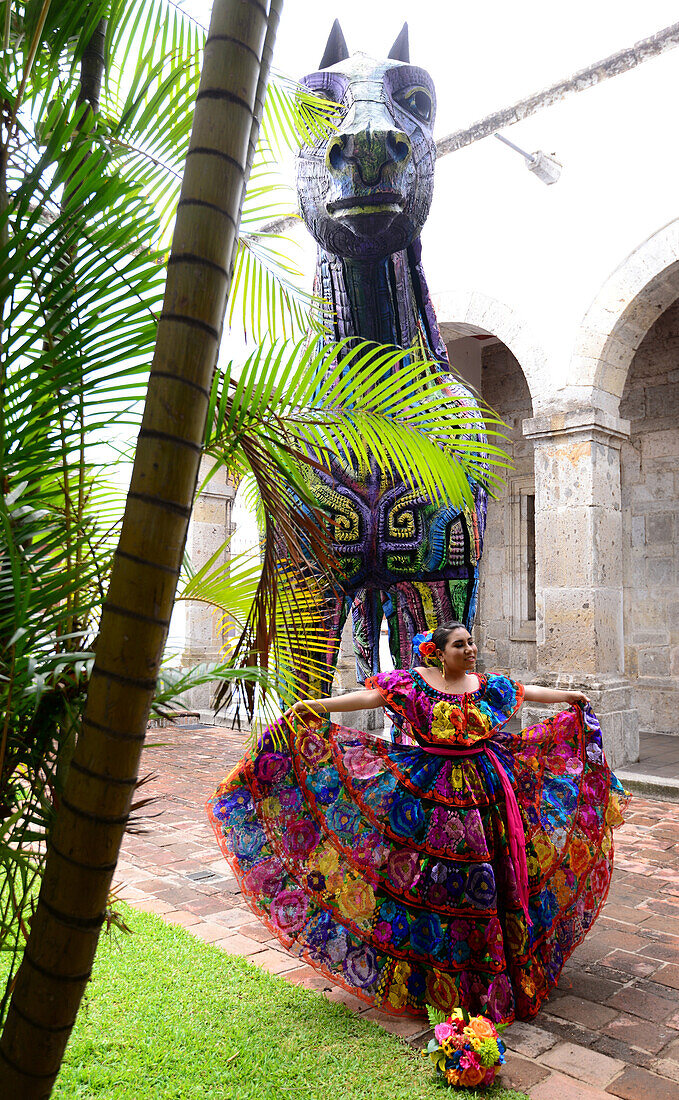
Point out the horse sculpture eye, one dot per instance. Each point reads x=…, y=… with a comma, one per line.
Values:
x=418, y=102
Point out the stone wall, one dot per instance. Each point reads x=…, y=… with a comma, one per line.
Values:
x=650, y=501
x=505, y=621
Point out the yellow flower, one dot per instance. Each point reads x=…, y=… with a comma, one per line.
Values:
x=447, y=721
x=544, y=850
x=402, y=972
x=356, y=900
x=613, y=814
x=329, y=860
x=456, y=777
x=532, y=865
x=398, y=994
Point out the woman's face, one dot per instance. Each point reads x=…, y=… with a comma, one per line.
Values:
x=459, y=653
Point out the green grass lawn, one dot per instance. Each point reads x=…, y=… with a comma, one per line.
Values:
x=169, y=1018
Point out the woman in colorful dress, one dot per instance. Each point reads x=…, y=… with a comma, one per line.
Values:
x=459, y=870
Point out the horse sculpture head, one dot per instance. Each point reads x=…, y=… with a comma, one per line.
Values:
x=365, y=191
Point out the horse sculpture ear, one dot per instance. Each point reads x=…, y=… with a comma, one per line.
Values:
x=336, y=48
x=400, y=51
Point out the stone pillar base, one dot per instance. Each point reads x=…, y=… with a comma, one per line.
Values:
x=611, y=699
x=200, y=697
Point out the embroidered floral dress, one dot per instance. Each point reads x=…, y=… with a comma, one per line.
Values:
x=394, y=869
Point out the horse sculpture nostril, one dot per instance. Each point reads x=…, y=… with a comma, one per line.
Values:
x=398, y=146
x=334, y=156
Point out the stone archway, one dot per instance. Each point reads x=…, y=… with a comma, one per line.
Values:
x=629, y=303
x=485, y=341
x=468, y=312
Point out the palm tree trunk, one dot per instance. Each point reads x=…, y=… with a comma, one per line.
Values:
x=92, y=816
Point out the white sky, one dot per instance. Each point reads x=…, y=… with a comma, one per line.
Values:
x=481, y=55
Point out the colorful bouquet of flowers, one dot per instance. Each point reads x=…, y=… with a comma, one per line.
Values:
x=466, y=1049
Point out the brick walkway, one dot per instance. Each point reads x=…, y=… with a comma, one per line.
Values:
x=610, y=1029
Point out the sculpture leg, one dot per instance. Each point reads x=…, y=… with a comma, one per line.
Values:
x=366, y=613
x=411, y=607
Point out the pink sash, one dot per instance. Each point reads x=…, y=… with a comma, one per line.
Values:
x=517, y=837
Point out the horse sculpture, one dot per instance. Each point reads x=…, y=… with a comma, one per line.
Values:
x=364, y=195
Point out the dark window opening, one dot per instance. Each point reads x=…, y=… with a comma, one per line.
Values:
x=530, y=557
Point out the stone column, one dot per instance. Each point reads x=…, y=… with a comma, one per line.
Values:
x=210, y=528
x=579, y=579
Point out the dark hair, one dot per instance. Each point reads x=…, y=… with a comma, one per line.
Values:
x=442, y=633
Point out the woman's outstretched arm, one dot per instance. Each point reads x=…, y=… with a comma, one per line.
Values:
x=533, y=693
x=353, y=700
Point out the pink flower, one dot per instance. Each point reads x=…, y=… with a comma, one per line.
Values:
x=314, y=748
x=289, y=910
x=361, y=762
x=382, y=932
x=265, y=878
x=402, y=869
x=444, y=1031
x=468, y=1059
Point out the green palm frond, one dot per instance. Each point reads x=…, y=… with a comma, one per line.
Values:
x=352, y=401
x=294, y=116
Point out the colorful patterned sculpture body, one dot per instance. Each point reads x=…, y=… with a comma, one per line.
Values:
x=365, y=195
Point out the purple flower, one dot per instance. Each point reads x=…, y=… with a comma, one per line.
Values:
x=500, y=1000
x=300, y=838
x=481, y=886
x=449, y=823
x=236, y=802
x=360, y=966
x=474, y=834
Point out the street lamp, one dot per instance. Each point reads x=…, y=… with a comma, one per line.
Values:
x=547, y=168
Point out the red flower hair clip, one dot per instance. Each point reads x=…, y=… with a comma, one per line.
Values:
x=423, y=646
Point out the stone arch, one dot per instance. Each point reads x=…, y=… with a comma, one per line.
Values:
x=630, y=301
x=470, y=313
x=487, y=343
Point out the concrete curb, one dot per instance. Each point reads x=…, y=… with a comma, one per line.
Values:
x=650, y=786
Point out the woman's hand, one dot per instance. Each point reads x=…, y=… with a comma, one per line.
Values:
x=535, y=693
x=578, y=697
x=306, y=710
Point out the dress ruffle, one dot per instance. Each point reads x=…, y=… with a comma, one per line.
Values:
x=388, y=869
